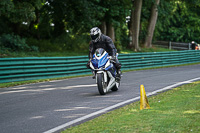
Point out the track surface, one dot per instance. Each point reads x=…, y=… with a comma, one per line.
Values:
x=37, y=108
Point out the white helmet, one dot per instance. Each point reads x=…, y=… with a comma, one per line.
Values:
x=95, y=34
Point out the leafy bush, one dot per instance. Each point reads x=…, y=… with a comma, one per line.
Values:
x=11, y=42
x=43, y=45
x=65, y=42
x=72, y=42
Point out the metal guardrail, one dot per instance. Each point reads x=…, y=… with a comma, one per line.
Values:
x=31, y=68
x=173, y=45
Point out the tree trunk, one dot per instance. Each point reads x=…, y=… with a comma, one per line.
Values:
x=152, y=24
x=103, y=27
x=110, y=31
x=136, y=24
x=131, y=29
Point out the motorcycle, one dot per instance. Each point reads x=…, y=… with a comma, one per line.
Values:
x=105, y=72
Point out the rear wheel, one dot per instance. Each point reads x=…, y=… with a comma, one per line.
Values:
x=102, y=86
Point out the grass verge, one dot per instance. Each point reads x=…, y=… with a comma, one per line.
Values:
x=10, y=84
x=43, y=54
x=177, y=110
x=72, y=53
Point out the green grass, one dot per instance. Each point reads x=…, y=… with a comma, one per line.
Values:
x=43, y=54
x=155, y=49
x=72, y=53
x=10, y=84
x=177, y=110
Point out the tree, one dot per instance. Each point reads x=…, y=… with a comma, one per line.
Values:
x=114, y=17
x=152, y=23
x=178, y=21
x=130, y=45
x=15, y=13
x=136, y=24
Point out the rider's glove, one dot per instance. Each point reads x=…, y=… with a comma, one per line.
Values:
x=88, y=64
x=113, y=59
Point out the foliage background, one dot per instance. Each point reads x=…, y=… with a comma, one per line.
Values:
x=63, y=25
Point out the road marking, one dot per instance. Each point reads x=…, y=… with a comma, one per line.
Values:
x=45, y=89
x=117, y=105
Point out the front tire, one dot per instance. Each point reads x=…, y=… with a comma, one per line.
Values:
x=102, y=87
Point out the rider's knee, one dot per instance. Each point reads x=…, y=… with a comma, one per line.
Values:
x=118, y=65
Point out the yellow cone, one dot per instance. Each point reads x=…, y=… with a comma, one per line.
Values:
x=144, y=104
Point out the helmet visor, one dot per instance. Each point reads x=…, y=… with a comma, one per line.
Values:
x=94, y=37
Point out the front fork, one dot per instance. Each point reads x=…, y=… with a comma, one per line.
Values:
x=104, y=74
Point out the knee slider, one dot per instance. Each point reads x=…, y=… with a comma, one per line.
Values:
x=118, y=65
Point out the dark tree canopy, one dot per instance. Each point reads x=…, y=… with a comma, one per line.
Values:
x=59, y=23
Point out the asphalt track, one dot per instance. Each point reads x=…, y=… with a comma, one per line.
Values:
x=52, y=106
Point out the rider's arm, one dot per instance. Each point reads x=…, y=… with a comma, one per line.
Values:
x=91, y=50
x=111, y=46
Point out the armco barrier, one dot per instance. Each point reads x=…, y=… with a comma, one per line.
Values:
x=173, y=45
x=31, y=68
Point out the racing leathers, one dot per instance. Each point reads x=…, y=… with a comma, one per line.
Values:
x=106, y=43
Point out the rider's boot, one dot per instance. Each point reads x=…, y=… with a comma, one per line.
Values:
x=94, y=75
x=118, y=76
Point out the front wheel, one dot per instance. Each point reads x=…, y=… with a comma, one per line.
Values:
x=102, y=86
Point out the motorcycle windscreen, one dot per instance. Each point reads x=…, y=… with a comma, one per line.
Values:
x=100, y=58
x=99, y=52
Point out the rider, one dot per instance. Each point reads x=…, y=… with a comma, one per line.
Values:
x=100, y=40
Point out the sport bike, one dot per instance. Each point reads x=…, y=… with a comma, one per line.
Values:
x=105, y=72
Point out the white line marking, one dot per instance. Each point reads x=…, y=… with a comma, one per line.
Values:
x=117, y=105
x=47, y=89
